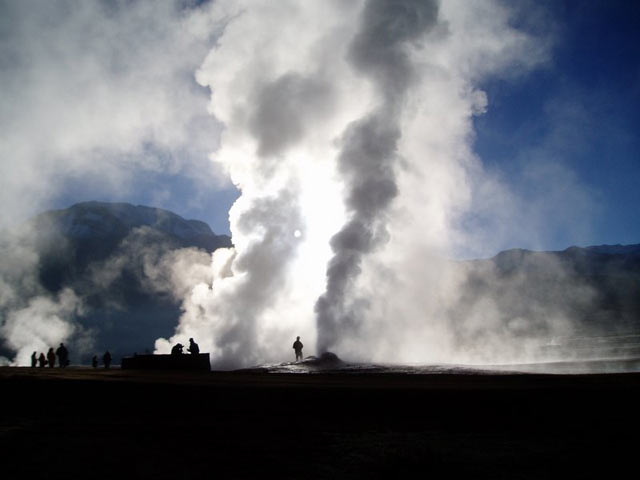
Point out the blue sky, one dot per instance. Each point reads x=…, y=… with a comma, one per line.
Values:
x=580, y=111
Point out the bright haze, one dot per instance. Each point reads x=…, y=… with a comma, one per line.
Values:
x=353, y=149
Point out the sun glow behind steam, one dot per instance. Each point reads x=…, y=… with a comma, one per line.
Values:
x=348, y=130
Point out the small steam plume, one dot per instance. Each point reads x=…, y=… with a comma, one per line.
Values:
x=33, y=319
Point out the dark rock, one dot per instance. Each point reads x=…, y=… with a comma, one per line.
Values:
x=199, y=362
x=325, y=360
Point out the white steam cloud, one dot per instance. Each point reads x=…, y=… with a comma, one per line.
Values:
x=101, y=92
x=351, y=122
x=96, y=92
x=33, y=319
x=346, y=125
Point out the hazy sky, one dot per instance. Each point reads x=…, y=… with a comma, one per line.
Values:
x=99, y=102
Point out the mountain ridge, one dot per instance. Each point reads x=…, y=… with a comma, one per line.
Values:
x=116, y=258
x=104, y=252
x=82, y=220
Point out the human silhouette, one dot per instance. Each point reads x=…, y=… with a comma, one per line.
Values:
x=34, y=359
x=51, y=357
x=194, y=349
x=177, y=349
x=106, y=359
x=297, y=346
x=42, y=360
x=94, y=361
x=63, y=355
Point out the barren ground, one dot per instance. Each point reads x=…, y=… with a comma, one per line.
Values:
x=83, y=423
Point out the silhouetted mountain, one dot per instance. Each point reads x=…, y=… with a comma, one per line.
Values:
x=109, y=255
x=589, y=292
x=615, y=249
x=94, y=230
x=117, y=259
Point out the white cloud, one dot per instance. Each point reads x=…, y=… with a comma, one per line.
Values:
x=102, y=92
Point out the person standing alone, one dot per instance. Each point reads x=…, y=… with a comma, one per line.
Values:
x=63, y=355
x=297, y=346
x=106, y=359
x=51, y=357
x=194, y=349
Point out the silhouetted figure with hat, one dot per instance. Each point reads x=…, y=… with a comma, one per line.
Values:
x=106, y=359
x=51, y=357
x=297, y=346
x=42, y=360
x=94, y=361
x=34, y=359
x=63, y=355
x=194, y=349
x=177, y=349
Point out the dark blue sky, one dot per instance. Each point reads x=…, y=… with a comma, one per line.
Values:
x=581, y=112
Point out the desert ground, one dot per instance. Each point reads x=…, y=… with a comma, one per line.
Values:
x=83, y=423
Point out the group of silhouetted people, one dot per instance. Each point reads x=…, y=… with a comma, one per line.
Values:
x=61, y=354
x=177, y=349
x=106, y=360
x=193, y=349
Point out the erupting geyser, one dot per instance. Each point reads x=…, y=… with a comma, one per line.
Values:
x=348, y=128
x=350, y=122
x=380, y=51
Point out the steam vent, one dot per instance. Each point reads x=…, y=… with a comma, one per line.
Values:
x=199, y=362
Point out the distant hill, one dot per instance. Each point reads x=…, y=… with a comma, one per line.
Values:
x=95, y=229
x=117, y=257
x=587, y=298
x=103, y=252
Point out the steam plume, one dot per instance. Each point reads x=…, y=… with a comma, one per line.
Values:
x=355, y=118
x=99, y=94
x=380, y=51
x=348, y=129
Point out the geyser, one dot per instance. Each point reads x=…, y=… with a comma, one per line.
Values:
x=347, y=126
x=350, y=122
x=381, y=53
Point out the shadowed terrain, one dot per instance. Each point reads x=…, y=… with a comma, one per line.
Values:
x=116, y=423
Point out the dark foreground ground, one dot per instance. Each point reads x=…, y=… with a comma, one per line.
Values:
x=80, y=423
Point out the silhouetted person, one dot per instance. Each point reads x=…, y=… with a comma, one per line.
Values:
x=42, y=360
x=63, y=355
x=194, y=349
x=106, y=359
x=297, y=346
x=34, y=359
x=177, y=349
x=94, y=361
x=51, y=357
